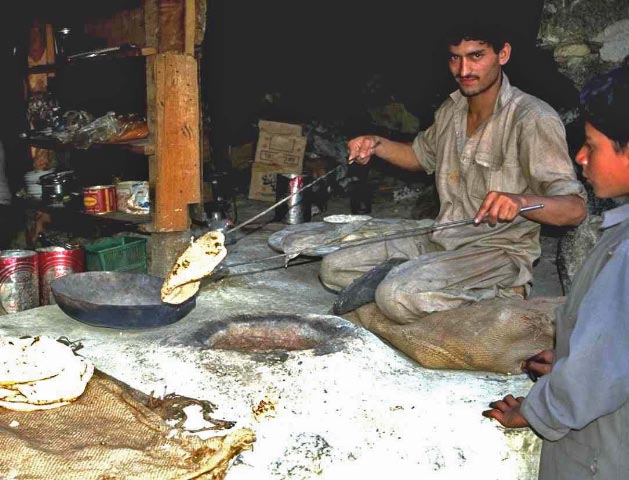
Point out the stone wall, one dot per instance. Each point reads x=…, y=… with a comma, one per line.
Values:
x=585, y=36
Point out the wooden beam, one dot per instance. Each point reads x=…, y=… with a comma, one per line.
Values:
x=189, y=27
x=171, y=25
x=177, y=179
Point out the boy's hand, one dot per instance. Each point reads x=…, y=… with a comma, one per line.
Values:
x=507, y=412
x=538, y=365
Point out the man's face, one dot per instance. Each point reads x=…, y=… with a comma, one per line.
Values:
x=475, y=66
x=604, y=168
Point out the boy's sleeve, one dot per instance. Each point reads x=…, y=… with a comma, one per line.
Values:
x=593, y=380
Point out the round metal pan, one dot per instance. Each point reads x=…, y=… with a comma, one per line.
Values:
x=117, y=300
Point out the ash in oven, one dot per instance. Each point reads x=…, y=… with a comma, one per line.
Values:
x=270, y=333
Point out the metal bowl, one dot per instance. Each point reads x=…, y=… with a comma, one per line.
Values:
x=117, y=300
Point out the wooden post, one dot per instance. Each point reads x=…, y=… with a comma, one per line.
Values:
x=177, y=181
x=189, y=27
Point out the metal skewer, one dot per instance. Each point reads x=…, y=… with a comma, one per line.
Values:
x=393, y=236
x=286, y=199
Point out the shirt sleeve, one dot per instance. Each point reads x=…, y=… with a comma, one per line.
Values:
x=424, y=148
x=545, y=159
x=593, y=380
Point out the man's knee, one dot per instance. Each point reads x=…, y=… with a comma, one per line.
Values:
x=329, y=272
x=388, y=299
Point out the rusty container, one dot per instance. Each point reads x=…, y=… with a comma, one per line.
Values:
x=298, y=208
x=19, y=280
x=55, y=262
x=99, y=199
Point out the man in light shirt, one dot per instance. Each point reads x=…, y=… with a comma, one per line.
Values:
x=493, y=149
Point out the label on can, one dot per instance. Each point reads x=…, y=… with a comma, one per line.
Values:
x=55, y=262
x=99, y=199
x=133, y=196
x=19, y=280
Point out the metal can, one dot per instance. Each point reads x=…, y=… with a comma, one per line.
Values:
x=55, y=262
x=99, y=199
x=19, y=280
x=133, y=196
x=297, y=209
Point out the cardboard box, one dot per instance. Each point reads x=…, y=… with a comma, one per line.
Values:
x=241, y=156
x=279, y=128
x=280, y=144
x=263, y=180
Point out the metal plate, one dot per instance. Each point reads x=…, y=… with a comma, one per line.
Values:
x=117, y=300
x=276, y=240
x=378, y=226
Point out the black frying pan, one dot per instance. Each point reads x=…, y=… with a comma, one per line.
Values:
x=117, y=300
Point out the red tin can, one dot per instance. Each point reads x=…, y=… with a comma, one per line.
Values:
x=19, y=280
x=55, y=262
x=99, y=199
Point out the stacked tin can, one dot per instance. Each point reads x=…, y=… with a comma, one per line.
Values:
x=19, y=280
x=55, y=262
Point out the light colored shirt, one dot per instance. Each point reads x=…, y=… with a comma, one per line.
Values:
x=521, y=148
x=582, y=407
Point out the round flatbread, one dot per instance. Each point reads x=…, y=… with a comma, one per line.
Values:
x=30, y=359
x=40, y=373
x=29, y=407
x=197, y=261
x=65, y=387
x=346, y=218
x=181, y=293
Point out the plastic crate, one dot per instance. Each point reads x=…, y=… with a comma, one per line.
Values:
x=117, y=254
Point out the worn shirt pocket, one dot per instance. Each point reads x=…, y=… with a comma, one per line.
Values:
x=484, y=175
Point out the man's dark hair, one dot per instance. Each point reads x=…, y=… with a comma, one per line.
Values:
x=491, y=33
x=605, y=104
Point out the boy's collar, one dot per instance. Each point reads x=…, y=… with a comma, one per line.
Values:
x=615, y=216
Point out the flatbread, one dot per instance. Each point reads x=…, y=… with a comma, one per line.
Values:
x=65, y=387
x=30, y=359
x=40, y=372
x=30, y=407
x=182, y=293
x=346, y=218
x=197, y=261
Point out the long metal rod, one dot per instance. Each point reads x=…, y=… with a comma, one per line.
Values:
x=286, y=199
x=393, y=236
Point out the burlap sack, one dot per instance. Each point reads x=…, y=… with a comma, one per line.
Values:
x=491, y=335
x=109, y=434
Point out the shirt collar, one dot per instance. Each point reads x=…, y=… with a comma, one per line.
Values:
x=615, y=216
x=504, y=95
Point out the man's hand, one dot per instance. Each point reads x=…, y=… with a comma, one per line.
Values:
x=499, y=207
x=362, y=148
x=539, y=364
x=507, y=412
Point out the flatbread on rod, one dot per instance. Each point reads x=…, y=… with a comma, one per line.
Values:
x=197, y=261
x=38, y=373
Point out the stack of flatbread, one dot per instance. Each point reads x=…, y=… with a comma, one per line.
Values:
x=197, y=261
x=38, y=373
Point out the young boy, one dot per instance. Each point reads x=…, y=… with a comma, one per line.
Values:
x=580, y=403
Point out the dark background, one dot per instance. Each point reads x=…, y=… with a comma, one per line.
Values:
x=329, y=61
x=325, y=61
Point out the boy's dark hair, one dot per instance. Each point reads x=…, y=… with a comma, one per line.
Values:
x=605, y=103
x=491, y=33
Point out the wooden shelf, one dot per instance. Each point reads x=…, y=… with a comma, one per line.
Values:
x=142, y=146
x=94, y=56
